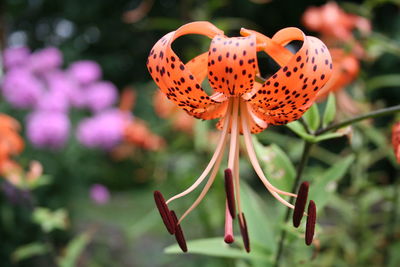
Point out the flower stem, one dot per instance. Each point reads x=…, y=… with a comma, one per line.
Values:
x=303, y=162
x=373, y=114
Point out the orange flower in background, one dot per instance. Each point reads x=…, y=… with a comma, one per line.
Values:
x=138, y=133
x=128, y=99
x=396, y=140
x=11, y=143
x=243, y=106
x=165, y=109
x=345, y=70
x=333, y=23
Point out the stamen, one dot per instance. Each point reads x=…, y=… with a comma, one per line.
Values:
x=253, y=159
x=300, y=204
x=180, y=238
x=228, y=237
x=230, y=195
x=164, y=212
x=310, y=226
x=244, y=232
x=208, y=184
x=236, y=177
x=234, y=135
x=220, y=145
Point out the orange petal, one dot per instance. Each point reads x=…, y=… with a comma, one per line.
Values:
x=287, y=94
x=172, y=76
x=232, y=64
x=255, y=124
x=198, y=67
x=214, y=111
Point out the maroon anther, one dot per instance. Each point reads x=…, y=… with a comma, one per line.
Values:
x=300, y=204
x=230, y=193
x=180, y=238
x=244, y=233
x=164, y=212
x=310, y=226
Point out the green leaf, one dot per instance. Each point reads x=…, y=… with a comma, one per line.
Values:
x=29, y=250
x=200, y=130
x=324, y=186
x=256, y=212
x=312, y=118
x=74, y=250
x=50, y=220
x=216, y=247
x=276, y=165
x=299, y=129
x=330, y=110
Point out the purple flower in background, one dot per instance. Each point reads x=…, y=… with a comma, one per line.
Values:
x=53, y=101
x=45, y=60
x=48, y=129
x=104, y=130
x=15, y=56
x=21, y=88
x=85, y=71
x=60, y=82
x=99, y=194
x=100, y=95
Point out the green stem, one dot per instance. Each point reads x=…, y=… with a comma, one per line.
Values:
x=300, y=169
x=373, y=114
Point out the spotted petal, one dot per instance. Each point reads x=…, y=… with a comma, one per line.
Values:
x=287, y=94
x=232, y=64
x=175, y=79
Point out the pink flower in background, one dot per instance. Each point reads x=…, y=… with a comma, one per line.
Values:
x=99, y=194
x=101, y=95
x=60, y=82
x=53, y=101
x=45, y=59
x=104, y=130
x=85, y=71
x=48, y=129
x=36, y=81
x=15, y=56
x=21, y=88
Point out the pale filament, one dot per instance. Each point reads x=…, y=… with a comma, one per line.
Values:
x=217, y=152
x=220, y=155
x=234, y=134
x=236, y=175
x=253, y=159
x=208, y=184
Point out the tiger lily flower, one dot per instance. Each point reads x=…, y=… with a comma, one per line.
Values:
x=243, y=105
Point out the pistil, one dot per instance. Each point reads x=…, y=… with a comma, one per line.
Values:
x=228, y=236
